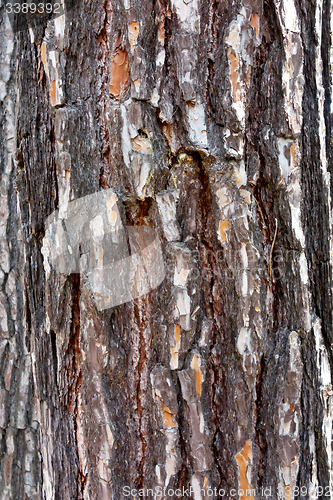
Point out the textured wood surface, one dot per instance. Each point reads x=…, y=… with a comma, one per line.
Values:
x=210, y=121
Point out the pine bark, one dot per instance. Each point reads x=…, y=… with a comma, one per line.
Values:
x=209, y=121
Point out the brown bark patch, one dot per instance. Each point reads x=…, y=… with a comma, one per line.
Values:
x=142, y=144
x=161, y=32
x=119, y=72
x=53, y=92
x=224, y=226
x=198, y=374
x=234, y=60
x=243, y=459
x=43, y=53
x=168, y=418
x=255, y=23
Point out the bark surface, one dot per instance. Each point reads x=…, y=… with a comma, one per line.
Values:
x=209, y=122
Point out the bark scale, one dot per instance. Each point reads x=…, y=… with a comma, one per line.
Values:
x=210, y=123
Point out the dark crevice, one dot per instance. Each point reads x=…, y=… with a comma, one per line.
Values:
x=260, y=437
x=54, y=355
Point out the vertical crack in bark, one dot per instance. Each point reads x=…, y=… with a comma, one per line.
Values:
x=55, y=355
x=260, y=430
x=73, y=353
x=103, y=38
x=208, y=241
x=140, y=394
x=75, y=374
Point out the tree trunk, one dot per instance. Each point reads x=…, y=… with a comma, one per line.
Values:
x=166, y=250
